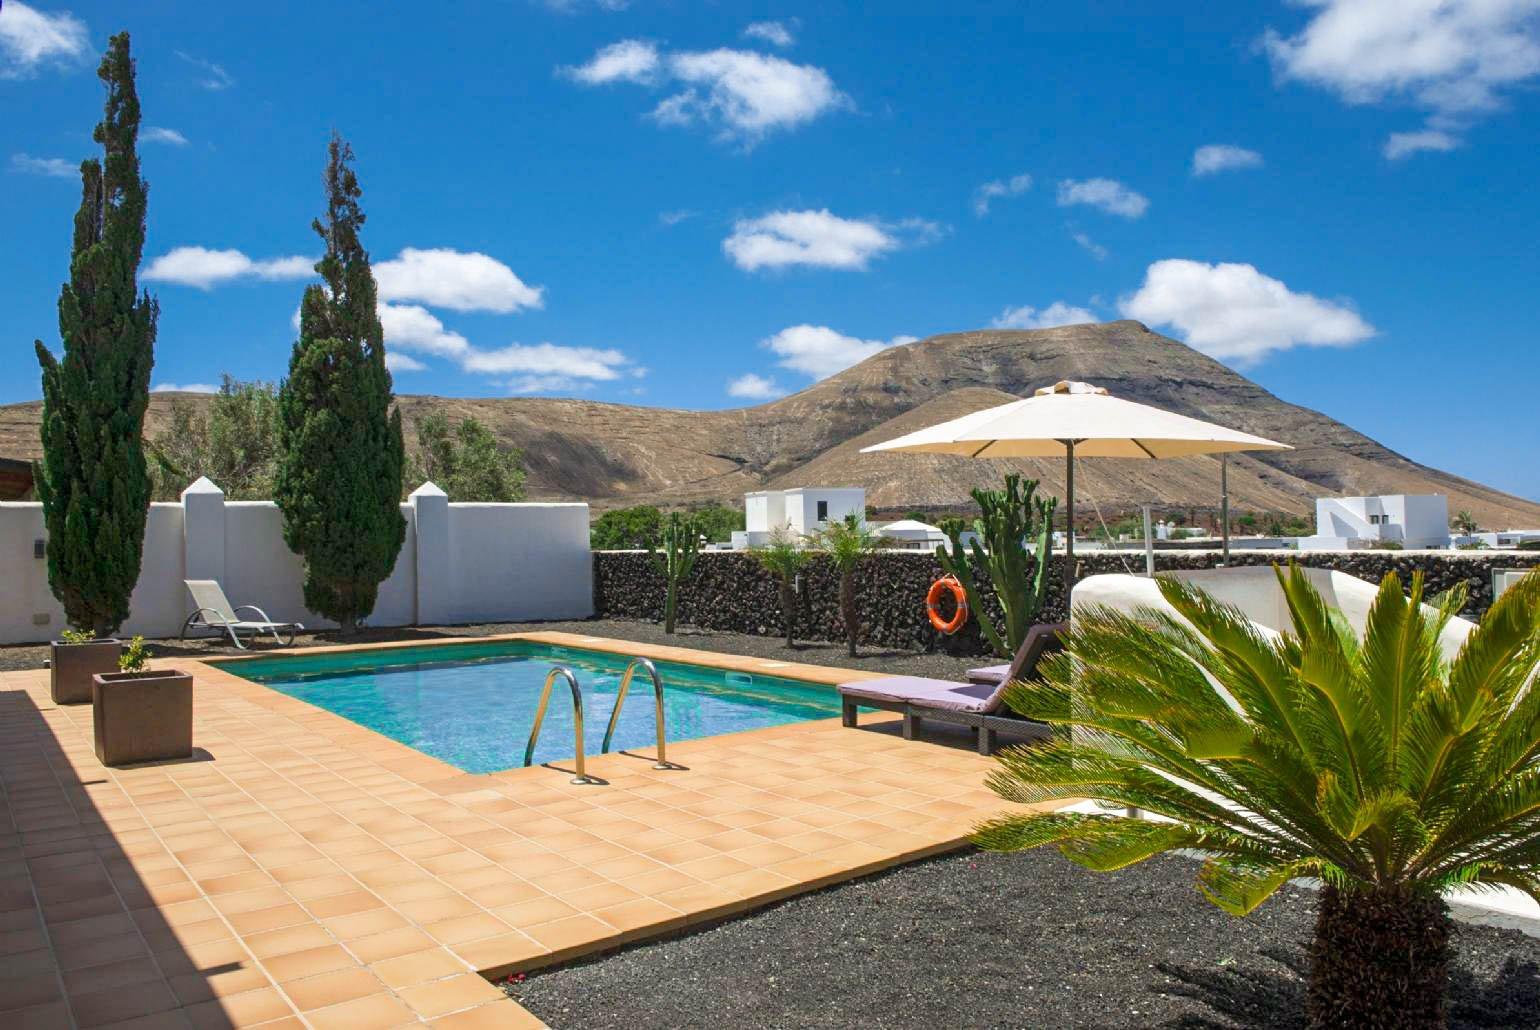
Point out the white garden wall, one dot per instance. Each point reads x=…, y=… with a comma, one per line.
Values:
x=459, y=563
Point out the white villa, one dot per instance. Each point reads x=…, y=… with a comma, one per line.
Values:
x=799, y=511
x=1411, y=520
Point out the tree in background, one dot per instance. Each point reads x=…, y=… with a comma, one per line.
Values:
x=847, y=541
x=717, y=522
x=1008, y=519
x=626, y=529
x=465, y=461
x=234, y=443
x=1375, y=764
x=338, y=479
x=678, y=547
x=784, y=560
x=1465, y=523
x=93, y=481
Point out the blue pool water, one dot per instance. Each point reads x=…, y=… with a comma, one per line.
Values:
x=472, y=705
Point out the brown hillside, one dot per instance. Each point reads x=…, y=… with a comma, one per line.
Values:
x=612, y=454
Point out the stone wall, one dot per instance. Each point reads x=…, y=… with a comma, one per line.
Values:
x=729, y=591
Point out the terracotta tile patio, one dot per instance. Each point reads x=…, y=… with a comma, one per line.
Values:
x=305, y=871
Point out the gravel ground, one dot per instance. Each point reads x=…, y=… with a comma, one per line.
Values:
x=987, y=940
x=941, y=666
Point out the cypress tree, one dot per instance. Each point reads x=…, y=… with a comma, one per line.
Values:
x=92, y=480
x=338, y=480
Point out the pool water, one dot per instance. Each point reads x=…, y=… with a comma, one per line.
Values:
x=472, y=705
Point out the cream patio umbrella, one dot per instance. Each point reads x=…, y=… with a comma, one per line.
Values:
x=1078, y=419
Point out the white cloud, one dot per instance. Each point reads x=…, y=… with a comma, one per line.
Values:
x=754, y=387
x=30, y=39
x=156, y=134
x=999, y=188
x=214, y=77
x=1108, y=195
x=818, y=239
x=1233, y=311
x=1404, y=144
x=630, y=60
x=416, y=328
x=454, y=279
x=1453, y=58
x=818, y=351
x=1223, y=157
x=749, y=94
x=538, y=368
x=204, y=269
x=57, y=167
x=574, y=6
x=743, y=93
x=773, y=32
x=672, y=218
x=1055, y=314
x=398, y=362
x=1089, y=245
x=184, y=388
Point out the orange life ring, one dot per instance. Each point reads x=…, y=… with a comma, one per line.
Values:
x=947, y=585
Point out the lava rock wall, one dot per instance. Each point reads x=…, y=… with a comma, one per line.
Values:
x=728, y=590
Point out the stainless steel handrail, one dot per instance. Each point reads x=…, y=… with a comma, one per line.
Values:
x=620, y=698
x=577, y=720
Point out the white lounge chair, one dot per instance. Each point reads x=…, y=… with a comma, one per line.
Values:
x=215, y=613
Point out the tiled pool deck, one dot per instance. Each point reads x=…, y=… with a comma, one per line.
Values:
x=304, y=871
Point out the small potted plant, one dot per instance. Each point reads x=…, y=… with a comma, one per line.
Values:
x=74, y=658
x=141, y=715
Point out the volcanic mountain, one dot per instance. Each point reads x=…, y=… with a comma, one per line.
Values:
x=613, y=454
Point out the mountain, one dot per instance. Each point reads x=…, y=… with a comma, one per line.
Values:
x=615, y=454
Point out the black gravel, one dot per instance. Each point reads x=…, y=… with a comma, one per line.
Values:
x=987, y=940
x=910, y=663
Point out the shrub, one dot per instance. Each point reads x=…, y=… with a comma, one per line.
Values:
x=234, y=444
x=134, y=656
x=465, y=461
x=626, y=529
x=1374, y=765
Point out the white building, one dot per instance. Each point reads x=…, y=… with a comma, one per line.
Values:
x=1411, y=520
x=799, y=512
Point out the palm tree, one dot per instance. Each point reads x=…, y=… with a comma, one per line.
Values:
x=847, y=541
x=1375, y=766
x=1465, y=522
x=784, y=559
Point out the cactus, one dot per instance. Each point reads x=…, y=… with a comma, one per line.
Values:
x=1008, y=518
x=674, y=555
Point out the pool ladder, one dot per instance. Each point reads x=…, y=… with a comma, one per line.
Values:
x=620, y=699
x=577, y=721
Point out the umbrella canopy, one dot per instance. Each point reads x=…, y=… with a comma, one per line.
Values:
x=1077, y=419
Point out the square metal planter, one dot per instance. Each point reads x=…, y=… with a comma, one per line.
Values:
x=142, y=716
x=71, y=667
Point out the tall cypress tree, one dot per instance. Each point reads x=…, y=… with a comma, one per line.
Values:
x=338, y=480
x=92, y=480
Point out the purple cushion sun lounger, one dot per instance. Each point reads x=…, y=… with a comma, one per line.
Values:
x=976, y=704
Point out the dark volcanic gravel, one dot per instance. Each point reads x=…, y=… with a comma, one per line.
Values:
x=986, y=940
x=30, y=656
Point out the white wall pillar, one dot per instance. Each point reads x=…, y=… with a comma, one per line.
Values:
x=203, y=531
x=435, y=587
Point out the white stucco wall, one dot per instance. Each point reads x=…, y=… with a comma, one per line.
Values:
x=469, y=563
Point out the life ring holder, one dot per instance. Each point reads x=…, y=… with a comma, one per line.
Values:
x=939, y=589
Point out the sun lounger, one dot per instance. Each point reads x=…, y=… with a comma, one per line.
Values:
x=215, y=613
x=980, y=706
x=998, y=673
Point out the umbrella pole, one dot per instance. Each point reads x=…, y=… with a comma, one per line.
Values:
x=1069, y=525
x=1224, y=504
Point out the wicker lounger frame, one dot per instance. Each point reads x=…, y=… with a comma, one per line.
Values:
x=986, y=725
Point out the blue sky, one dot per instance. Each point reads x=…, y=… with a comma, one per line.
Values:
x=704, y=206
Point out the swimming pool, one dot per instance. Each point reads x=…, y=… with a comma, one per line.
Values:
x=472, y=705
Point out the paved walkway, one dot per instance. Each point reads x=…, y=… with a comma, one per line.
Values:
x=304, y=871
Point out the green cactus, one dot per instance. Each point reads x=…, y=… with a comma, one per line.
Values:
x=1009, y=517
x=674, y=555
